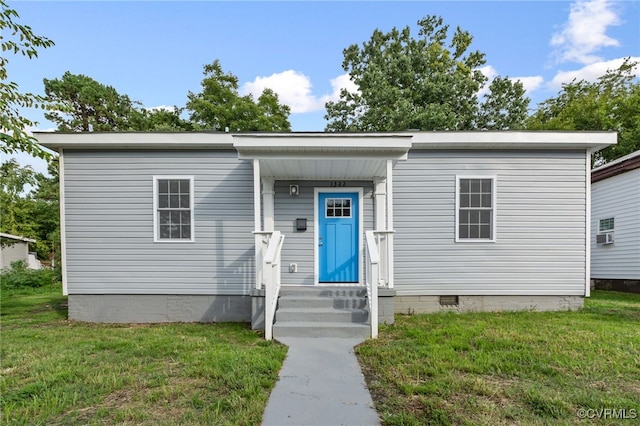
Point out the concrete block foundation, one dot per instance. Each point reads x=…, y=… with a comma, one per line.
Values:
x=127, y=308
x=155, y=308
x=430, y=304
x=386, y=309
x=257, y=309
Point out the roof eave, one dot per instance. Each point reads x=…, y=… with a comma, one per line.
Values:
x=318, y=141
x=134, y=140
x=593, y=141
x=16, y=238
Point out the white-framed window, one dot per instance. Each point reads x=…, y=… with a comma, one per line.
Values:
x=606, y=225
x=173, y=209
x=338, y=207
x=475, y=208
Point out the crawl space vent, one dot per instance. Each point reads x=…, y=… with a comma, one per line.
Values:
x=449, y=300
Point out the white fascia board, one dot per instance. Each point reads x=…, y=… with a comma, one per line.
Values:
x=514, y=140
x=250, y=144
x=326, y=142
x=322, y=155
x=323, y=135
x=135, y=140
x=17, y=238
x=617, y=161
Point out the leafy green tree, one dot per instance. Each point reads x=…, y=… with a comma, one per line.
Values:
x=610, y=103
x=29, y=206
x=504, y=107
x=159, y=120
x=16, y=39
x=15, y=214
x=427, y=83
x=88, y=105
x=272, y=115
x=219, y=106
x=44, y=202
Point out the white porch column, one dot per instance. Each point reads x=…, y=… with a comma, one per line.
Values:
x=390, y=221
x=268, y=200
x=257, y=208
x=380, y=200
x=257, y=223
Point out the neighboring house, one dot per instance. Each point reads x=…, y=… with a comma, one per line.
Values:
x=615, y=224
x=14, y=248
x=184, y=226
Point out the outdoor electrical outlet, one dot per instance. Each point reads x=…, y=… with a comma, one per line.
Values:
x=293, y=267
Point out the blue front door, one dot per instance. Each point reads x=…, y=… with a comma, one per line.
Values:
x=338, y=237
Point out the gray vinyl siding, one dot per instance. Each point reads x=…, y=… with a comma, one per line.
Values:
x=299, y=245
x=109, y=224
x=617, y=197
x=540, y=240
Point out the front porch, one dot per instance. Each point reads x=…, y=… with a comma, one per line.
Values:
x=306, y=190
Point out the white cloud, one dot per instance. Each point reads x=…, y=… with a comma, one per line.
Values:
x=590, y=72
x=488, y=71
x=295, y=90
x=585, y=31
x=531, y=83
x=168, y=108
x=341, y=82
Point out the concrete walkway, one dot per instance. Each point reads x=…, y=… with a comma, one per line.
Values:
x=320, y=384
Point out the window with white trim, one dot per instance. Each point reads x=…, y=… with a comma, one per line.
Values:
x=475, y=208
x=338, y=207
x=173, y=205
x=606, y=225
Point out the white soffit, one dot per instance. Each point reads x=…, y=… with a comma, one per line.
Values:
x=325, y=169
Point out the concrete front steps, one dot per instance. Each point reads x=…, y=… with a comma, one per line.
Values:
x=320, y=311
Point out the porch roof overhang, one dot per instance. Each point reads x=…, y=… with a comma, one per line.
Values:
x=323, y=156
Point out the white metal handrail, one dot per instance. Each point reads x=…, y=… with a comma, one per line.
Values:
x=271, y=276
x=372, y=280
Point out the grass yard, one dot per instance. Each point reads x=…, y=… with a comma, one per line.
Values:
x=532, y=368
x=55, y=371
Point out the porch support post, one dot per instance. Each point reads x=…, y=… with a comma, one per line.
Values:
x=257, y=208
x=390, y=222
x=257, y=224
x=268, y=200
x=380, y=200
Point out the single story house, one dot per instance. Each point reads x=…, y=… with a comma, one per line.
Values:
x=615, y=224
x=15, y=248
x=222, y=226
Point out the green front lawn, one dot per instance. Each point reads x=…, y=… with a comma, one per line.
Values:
x=481, y=368
x=55, y=371
x=510, y=368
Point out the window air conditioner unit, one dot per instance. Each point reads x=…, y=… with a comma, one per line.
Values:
x=605, y=238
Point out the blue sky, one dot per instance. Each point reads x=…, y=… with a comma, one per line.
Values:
x=154, y=51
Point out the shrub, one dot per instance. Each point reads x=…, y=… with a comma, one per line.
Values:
x=19, y=276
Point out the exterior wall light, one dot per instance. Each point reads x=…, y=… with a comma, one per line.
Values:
x=294, y=190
